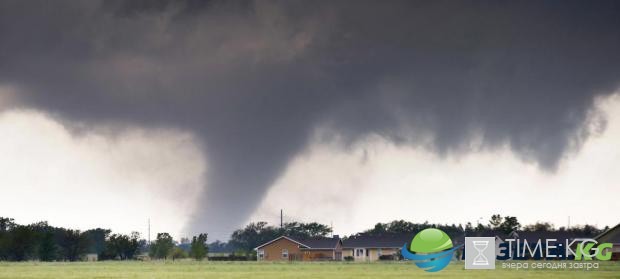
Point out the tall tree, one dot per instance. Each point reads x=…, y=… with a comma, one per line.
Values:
x=113, y=247
x=73, y=244
x=6, y=225
x=162, y=247
x=97, y=239
x=122, y=247
x=21, y=243
x=315, y=229
x=45, y=242
x=509, y=225
x=133, y=246
x=397, y=227
x=496, y=221
x=220, y=247
x=199, y=248
x=47, y=247
x=253, y=235
x=304, y=230
x=539, y=227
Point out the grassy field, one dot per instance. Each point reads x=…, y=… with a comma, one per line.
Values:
x=191, y=269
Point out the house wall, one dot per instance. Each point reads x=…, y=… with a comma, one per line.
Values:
x=273, y=251
x=347, y=253
x=370, y=254
x=91, y=257
x=615, y=256
x=323, y=254
x=317, y=255
x=338, y=252
x=373, y=253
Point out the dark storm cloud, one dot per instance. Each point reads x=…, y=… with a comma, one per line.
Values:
x=254, y=79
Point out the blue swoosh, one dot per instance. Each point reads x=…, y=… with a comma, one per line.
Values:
x=435, y=265
x=440, y=260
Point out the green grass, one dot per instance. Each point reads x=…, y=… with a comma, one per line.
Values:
x=191, y=269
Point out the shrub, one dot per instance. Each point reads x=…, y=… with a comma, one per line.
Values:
x=348, y=258
x=386, y=257
x=178, y=253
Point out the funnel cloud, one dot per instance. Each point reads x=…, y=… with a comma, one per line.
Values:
x=254, y=80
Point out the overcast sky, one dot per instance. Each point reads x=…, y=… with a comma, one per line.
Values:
x=204, y=115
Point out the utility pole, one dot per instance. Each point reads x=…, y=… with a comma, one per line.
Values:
x=149, y=231
x=281, y=219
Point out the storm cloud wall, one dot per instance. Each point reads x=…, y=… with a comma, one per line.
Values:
x=254, y=80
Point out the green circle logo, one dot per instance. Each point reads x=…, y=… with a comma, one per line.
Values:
x=430, y=241
x=431, y=249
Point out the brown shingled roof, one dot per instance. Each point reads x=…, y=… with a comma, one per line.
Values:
x=373, y=241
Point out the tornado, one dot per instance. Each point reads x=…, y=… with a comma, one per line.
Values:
x=254, y=80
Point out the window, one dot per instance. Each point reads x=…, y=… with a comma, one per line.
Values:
x=285, y=253
x=261, y=254
x=379, y=252
x=359, y=252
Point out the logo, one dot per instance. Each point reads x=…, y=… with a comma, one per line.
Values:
x=480, y=253
x=602, y=252
x=431, y=249
x=570, y=249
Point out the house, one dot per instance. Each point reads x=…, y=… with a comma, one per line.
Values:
x=143, y=257
x=365, y=247
x=611, y=236
x=218, y=254
x=91, y=257
x=285, y=248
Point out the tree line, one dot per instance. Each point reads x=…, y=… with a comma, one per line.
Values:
x=496, y=224
x=40, y=241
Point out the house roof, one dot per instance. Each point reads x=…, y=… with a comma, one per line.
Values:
x=374, y=241
x=320, y=243
x=612, y=235
x=311, y=243
x=278, y=238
